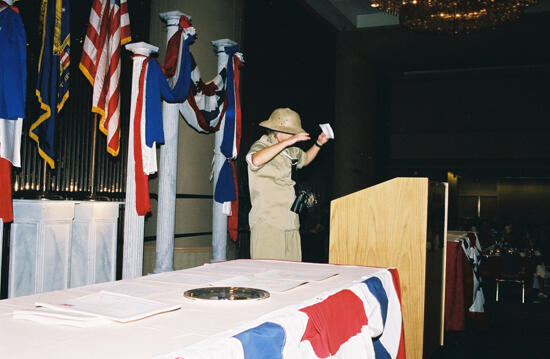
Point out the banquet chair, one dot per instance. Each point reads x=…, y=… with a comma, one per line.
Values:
x=511, y=270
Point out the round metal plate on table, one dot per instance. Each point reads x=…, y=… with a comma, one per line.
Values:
x=226, y=293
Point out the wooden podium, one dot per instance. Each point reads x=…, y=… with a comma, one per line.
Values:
x=400, y=223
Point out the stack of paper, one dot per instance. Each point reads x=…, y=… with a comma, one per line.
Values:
x=275, y=280
x=95, y=309
x=52, y=316
x=244, y=275
x=302, y=276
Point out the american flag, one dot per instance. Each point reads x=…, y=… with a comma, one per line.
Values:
x=108, y=30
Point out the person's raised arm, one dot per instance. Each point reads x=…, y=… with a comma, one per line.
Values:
x=314, y=150
x=266, y=154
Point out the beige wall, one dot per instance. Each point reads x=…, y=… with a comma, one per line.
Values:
x=213, y=19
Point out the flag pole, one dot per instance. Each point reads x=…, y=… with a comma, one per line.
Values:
x=42, y=194
x=92, y=160
x=43, y=191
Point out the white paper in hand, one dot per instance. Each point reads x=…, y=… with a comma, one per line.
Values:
x=327, y=130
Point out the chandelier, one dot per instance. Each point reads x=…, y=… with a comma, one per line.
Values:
x=453, y=16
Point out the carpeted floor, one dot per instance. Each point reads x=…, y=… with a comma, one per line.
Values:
x=514, y=330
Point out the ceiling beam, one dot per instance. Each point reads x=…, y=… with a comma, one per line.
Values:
x=346, y=15
x=328, y=11
x=376, y=20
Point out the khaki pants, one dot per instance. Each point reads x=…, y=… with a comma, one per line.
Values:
x=268, y=242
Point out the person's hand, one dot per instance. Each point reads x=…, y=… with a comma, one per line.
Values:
x=299, y=137
x=322, y=139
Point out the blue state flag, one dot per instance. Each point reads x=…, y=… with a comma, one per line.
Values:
x=52, y=85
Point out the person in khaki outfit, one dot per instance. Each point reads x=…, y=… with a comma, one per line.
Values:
x=274, y=227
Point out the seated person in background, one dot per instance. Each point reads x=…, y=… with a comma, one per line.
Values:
x=273, y=226
x=510, y=238
x=485, y=235
x=538, y=280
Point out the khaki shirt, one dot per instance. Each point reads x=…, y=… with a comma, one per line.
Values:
x=271, y=186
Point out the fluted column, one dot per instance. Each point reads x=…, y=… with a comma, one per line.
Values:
x=219, y=219
x=168, y=170
x=132, y=261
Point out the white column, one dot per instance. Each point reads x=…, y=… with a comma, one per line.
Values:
x=132, y=260
x=94, y=242
x=168, y=171
x=40, y=246
x=219, y=219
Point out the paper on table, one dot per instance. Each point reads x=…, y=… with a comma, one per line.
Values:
x=184, y=277
x=230, y=282
x=52, y=316
x=134, y=289
x=270, y=285
x=302, y=275
x=209, y=269
x=327, y=130
x=113, y=306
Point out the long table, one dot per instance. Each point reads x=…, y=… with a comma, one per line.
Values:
x=354, y=312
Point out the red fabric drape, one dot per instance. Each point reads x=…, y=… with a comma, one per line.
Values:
x=233, y=220
x=6, y=205
x=172, y=50
x=171, y=57
x=143, y=203
x=397, y=284
x=459, y=286
x=333, y=321
x=455, y=303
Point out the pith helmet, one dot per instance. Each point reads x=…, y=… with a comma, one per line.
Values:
x=284, y=120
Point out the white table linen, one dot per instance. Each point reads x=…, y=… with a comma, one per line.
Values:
x=205, y=329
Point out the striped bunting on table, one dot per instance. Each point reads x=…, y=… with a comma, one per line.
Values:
x=361, y=321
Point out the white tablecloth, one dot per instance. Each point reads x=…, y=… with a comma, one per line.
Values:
x=205, y=329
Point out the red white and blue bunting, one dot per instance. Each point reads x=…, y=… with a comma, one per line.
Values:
x=361, y=320
x=212, y=106
x=148, y=126
x=207, y=107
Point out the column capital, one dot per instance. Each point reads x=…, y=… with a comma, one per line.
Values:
x=221, y=44
x=172, y=18
x=141, y=48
